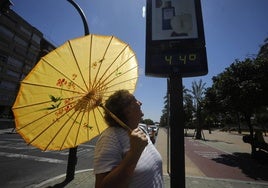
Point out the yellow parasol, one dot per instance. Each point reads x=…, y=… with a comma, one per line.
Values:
x=59, y=102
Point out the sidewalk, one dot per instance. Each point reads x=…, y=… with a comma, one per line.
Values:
x=194, y=177
x=85, y=179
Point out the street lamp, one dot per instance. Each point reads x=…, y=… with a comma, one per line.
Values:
x=72, y=158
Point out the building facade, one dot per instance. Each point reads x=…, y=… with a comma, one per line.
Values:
x=21, y=46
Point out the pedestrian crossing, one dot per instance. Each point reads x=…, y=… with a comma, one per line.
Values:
x=30, y=157
x=208, y=154
x=16, y=148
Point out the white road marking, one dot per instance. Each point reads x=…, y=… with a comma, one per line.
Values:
x=35, y=158
x=208, y=154
x=17, y=147
x=87, y=145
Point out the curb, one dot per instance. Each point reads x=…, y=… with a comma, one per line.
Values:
x=58, y=179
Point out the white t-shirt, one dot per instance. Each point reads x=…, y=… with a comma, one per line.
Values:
x=110, y=150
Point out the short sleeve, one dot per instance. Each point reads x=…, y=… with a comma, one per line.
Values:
x=108, y=152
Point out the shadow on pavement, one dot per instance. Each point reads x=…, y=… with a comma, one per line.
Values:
x=61, y=184
x=255, y=169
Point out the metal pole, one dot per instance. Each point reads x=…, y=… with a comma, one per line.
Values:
x=72, y=158
x=72, y=161
x=177, y=158
x=83, y=17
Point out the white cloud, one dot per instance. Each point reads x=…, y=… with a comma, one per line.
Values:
x=143, y=11
x=141, y=71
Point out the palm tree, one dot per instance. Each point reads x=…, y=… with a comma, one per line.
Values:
x=198, y=90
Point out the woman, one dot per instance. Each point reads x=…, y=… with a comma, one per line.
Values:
x=126, y=158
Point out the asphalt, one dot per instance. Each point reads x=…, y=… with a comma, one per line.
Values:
x=194, y=176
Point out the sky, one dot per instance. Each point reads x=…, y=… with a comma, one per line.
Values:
x=234, y=29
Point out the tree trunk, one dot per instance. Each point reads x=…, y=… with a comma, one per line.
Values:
x=253, y=148
x=239, y=123
x=198, y=134
x=199, y=125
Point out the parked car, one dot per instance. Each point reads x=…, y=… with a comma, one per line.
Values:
x=153, y=131
x=144, y=126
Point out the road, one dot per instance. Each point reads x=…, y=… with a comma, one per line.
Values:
x=23, y=165
x=219, y=157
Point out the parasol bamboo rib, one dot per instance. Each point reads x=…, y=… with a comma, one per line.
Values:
x=41, y=117
x=121, y=83
x=70, y=128
x=80, y=123
x=87, y=121
x=50, y=125
x=89, y=62
x=40, y=103
x=64, y=124
x=112, y=63
x=77, y=64
x=101, y=82
x=65, y=76
x=103, y=59
x=119, y=78
x=50, y=87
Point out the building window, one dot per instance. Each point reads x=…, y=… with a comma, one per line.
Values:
x=26, y=31
x=6, y=32
x=8, y=85
x=36, y=38
x=21, y=51
x=23, y=76
x=27, y=69
x=13, y=74
x=3, y=43
x=6, y=100
x=14, y=62
x=3, y=58
x=21, y=41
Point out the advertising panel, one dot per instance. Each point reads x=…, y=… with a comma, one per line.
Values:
x=175, y=41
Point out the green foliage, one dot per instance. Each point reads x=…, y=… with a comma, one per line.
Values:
x=237, y=88
x=164, y=117
x=147, y=121
x=238, y=94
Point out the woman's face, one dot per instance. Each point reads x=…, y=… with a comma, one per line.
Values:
x=134, y=113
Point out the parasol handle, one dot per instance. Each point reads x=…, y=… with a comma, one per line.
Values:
x=116, y=118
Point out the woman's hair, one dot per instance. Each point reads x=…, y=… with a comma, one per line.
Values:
x=116, y=104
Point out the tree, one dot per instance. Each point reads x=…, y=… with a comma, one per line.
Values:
x=213, y=108
x=165, y=115
x=188, y=107
x=262, y=67
x=197, y=91
x=239, y=91
x=147, y=121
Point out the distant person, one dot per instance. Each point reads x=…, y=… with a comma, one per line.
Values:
x=259, y=137
x=126, y=158
x=260, y=142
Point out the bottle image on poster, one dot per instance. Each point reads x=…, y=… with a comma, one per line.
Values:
x=168, y=12
x=173, y=19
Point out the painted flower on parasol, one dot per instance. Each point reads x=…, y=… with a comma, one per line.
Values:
x=59, y=104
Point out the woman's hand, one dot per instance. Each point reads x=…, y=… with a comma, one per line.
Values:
x=138, y=141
